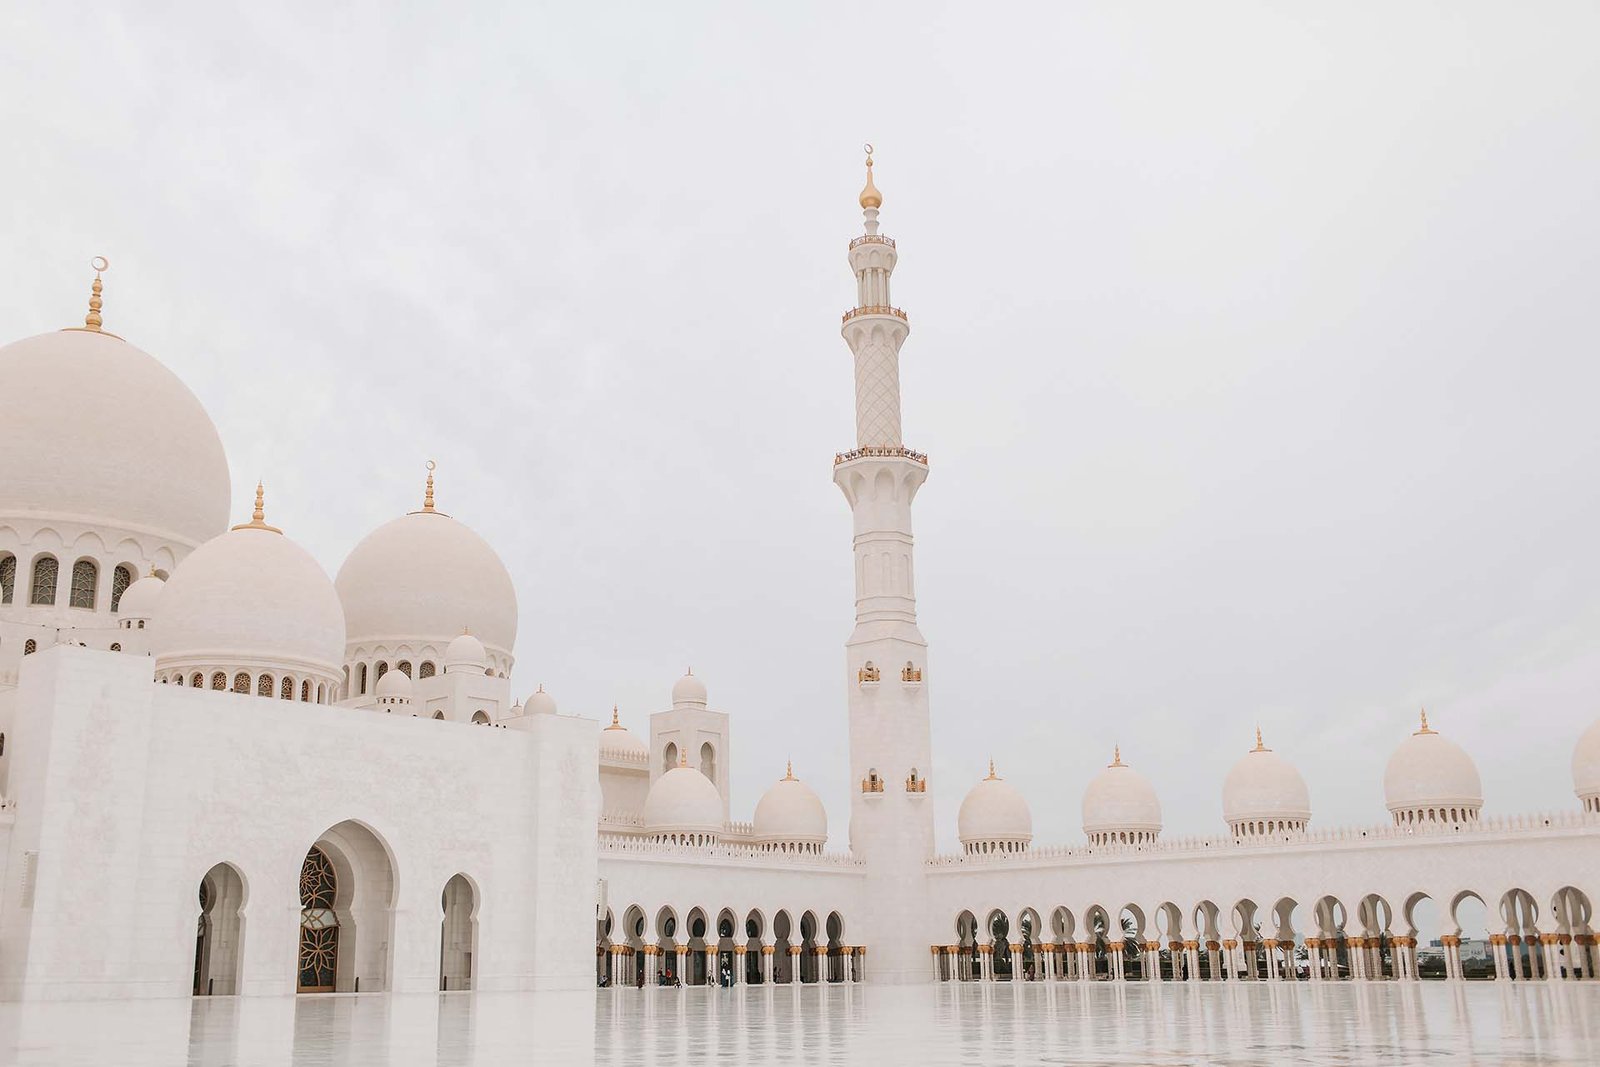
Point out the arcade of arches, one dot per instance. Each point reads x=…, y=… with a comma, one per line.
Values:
x=1374, y=942
x=726, y=948
x=346, y=893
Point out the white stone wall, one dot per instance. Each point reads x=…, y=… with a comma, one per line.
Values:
x=129, y=792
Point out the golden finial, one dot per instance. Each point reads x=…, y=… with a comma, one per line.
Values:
x=788, y=771
x=683, y=759
x=258, y=517
x=1260, y=747
x=1425, y=728
x=615, y=724
x=870, y=197
x=91, y=321
x=993, y=777
x=427, y=493
x=1116, y=757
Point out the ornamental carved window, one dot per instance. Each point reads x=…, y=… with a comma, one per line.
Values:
x=286, y=690
x=241, y=682
x=198, y=681
x=116, y=646
x=426, y=670
x=361, y=674
x=85, y=577
x=121, y=578
x=264, y=686
x=319, y=925
x=29, y=647
x=305, y=692
x=868, y=673
x=404, y=667
x=219, y=681
x=910, y=673
x=8, y=578
x=45, y=571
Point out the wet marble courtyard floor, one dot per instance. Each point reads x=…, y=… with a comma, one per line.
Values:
x=1236, y=1023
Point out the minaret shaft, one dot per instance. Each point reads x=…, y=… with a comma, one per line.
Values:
x=891, y=816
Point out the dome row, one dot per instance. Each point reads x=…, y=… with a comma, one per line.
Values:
x=1429, y=778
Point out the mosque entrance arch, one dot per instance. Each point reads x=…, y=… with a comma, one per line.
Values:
x=347, y=892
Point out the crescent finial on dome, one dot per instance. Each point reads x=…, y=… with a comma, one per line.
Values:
x=788, y=771
x=615, y=723
x=1260, y=745
x=1425, y=728
x=870, y=197
x=427, y=492
x=993, y=777
x=258, y=517
x=1116, y=757
x=92, y=321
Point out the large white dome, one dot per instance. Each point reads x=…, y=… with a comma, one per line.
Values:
x=1264, y=794
x=1120, y=806
x=422, y=579
x=97, y=433
x=688, y=691
x=994, y=817
x=683, y=803
x=247, y=600
x=1431, y=779
x=1586, y=768
x=791, y=814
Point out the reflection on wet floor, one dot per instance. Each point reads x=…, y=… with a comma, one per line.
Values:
x=975, y=1023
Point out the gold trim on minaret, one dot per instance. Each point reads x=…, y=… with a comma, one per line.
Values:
x=870, y=197
x=258, y=517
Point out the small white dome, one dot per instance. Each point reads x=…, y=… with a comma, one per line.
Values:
x=250, y=598
x=1120, y=806
x=1586, y=768
x=394, y=685
x=688, y=690
x=1430, y=776
x=994, y=816
x=139, y=599
x=465, y=653
x=618, y=740
x=683, y=801
x=422, y=577
x=539, y=703
x=790, y=813
x=1263, y=787
x=126, y=447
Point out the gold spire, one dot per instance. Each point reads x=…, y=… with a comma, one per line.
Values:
x=993, y=777
x=615, y=724
x=92, y=321
x=427, y=493
x=1425, y=728
x=258, y=517
x=1116, y=757
x=1260, y=747
x=683, y=759
x=870, y=197
x=788, y=771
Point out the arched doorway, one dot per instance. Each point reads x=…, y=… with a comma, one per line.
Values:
x=347, y=890
x=319, y=925
x=458, y=935
x=219, y=937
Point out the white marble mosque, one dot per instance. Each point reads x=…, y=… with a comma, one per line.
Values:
x=179, y=696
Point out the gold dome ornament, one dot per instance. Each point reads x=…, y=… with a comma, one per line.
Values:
x=870, y=197
x=92, y=321
x=259, y=515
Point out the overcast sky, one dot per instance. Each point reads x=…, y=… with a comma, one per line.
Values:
x=1254, y=348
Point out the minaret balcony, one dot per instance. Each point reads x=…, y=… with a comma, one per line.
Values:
x=872, y=239
x=880, y=452
x=875, y=309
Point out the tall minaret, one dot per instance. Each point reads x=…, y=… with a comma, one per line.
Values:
x=891, y=818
